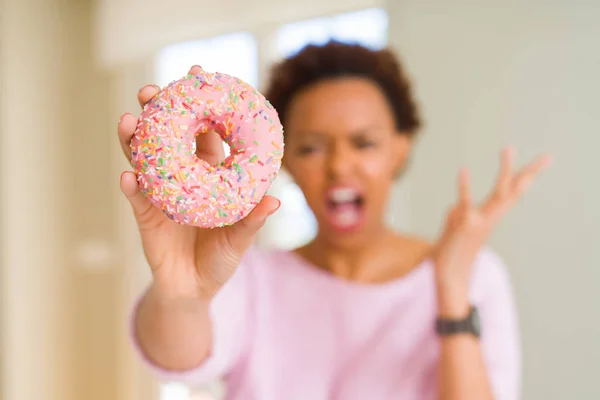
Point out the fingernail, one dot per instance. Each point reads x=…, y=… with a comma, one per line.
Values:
x=275, y=209
x=149, y=86
x=123, y=174
x=195, y=66
x=123, y=116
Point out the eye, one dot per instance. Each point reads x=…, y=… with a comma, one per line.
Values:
x=306, y=149
x=363, y=143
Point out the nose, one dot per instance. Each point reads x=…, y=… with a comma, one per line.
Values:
x=339, y=161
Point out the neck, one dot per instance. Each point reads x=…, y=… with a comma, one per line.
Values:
x=355, y=262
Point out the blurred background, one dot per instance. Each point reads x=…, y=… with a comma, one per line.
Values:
x=486, y=74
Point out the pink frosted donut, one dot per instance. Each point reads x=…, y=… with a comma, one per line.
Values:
x=190, y=190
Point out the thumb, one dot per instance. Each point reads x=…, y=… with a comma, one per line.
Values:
x=140, y=204
x=242, y=233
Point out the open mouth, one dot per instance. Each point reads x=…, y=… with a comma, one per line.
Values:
x=345, y=208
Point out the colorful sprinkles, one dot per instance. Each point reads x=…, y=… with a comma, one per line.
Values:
x=187, y=189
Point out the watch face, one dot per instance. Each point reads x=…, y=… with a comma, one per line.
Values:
x=475, y=324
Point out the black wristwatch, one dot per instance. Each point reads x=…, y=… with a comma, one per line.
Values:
x=470, y=324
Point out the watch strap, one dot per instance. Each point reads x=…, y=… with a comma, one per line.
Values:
x=470, y=324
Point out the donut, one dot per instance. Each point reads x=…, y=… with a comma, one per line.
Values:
x=186, y=188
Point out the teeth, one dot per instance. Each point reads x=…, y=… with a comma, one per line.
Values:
x=347, y=218
x=343, y=195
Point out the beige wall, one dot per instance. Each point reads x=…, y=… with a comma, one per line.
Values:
x=95, y=289
x=59, y=336
x=524, y=73
x=34, y=282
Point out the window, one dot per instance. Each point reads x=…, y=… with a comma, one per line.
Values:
x=367, y=27
x=234, y=54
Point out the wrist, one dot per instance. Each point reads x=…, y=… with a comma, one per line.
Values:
x=181, y=290
x=176, y=302
x=453, y=301
x=183, y=283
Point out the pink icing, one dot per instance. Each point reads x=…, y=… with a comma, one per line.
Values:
x=190, y=190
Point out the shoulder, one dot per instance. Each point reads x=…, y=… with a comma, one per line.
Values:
x=413, y=249
x=490, y=275
x=416, y=243
x=489, y=265
x=500, y=336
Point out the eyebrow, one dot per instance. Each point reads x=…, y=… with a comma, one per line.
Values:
x=369, y=131
x=299, y=135
x=359, y=132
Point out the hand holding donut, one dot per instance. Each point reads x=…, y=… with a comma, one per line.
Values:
x=187, y=260
x=468, y=227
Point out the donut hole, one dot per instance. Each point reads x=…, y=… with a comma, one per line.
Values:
x=226, y=148
x=206, y=147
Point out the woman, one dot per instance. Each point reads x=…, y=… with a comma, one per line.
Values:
x=361, y=312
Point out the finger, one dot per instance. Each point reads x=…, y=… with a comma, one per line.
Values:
x=242, y=233
x=527, y=174
x=503, y=184
x=209, y=147
x=196, y=69
x=146, y=93
x=464, y=188
x=125, y=129
x=140, y=204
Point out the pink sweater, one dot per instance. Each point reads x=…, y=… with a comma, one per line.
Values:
x=285, y=330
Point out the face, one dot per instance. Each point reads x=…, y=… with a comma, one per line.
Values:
x=343, y=150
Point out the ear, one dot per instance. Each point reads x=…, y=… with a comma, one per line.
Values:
x=401, y=148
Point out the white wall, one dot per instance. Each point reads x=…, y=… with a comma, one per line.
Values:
x=130, y=30
x=487, y=75
x=526, y=73
x=525, y=70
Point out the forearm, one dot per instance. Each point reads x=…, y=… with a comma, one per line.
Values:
x=174, y=333
x=462, y=372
